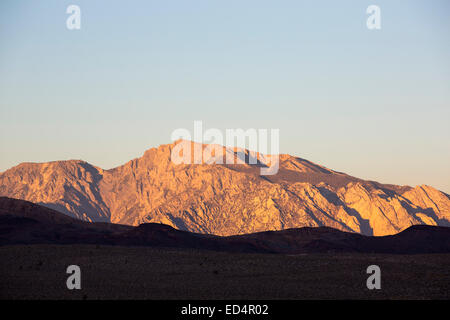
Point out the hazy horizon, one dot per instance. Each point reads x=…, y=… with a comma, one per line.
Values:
x=374, y=104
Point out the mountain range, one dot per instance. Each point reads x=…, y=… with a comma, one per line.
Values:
x=225, y=199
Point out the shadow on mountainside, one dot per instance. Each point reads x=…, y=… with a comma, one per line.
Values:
x=22, y=222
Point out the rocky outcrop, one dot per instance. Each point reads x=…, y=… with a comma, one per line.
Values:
x=225, y=199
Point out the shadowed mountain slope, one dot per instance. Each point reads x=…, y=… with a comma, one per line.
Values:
x=23, y=222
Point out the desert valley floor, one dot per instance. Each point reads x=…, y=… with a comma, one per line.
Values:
x=115, y=272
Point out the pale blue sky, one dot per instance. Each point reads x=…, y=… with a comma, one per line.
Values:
x=374, y=104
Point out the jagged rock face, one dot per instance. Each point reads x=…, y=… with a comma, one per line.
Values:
x=70, y=187
x=224, y=199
